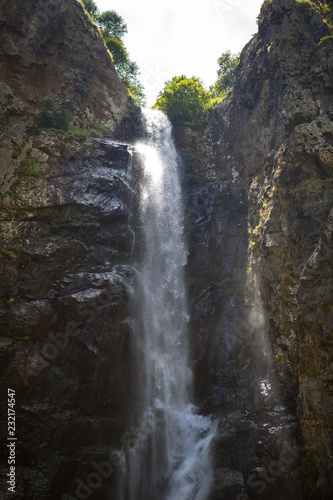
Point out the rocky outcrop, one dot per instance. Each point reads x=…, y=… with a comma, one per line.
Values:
x=260, y=180
x=53, y=50
x=65, y=249
x=64, y=314
x=258, y=435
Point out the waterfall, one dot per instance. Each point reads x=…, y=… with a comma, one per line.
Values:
x=169, y=457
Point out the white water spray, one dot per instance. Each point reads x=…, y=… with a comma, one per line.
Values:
x=169, y=460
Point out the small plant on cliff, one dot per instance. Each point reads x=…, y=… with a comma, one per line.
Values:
x=29, y=168
x=6, y=254
x=76, y=133
x=306, y=474
x=304, y=2
x=184, y=99
x=69, y=262
x=50, y=117
x=325, y=39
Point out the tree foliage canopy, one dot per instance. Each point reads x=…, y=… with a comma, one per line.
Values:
x=183, y=99
x=112, y=25
x=90, y=7
x=113, y=28
x=227, y=63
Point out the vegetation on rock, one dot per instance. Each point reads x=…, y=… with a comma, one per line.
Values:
x=183, y=99
x=29, y=168
x=227, y=63
x=52, y=118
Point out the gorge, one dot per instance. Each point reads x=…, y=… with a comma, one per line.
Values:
x=253, y=302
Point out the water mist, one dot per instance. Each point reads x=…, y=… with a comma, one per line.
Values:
x=170, y=458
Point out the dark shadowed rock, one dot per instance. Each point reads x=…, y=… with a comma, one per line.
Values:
x=258, y=180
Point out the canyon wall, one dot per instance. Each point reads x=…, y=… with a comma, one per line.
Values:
x=65, y=249
x=258, y=179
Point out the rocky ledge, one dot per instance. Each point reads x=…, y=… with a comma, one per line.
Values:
x=65, y=347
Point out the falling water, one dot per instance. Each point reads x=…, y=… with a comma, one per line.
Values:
x=169, y=458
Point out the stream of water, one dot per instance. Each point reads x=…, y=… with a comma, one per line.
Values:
x=170, y=458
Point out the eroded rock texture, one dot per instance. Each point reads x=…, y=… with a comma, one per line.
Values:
x=52, y=50
x=64, y=313
x=259, y=184
x=65, y=250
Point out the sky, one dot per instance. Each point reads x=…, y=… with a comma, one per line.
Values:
x=169, y=38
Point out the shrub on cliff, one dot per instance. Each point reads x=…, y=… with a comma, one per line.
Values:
x=50, y=117
x=184, y=99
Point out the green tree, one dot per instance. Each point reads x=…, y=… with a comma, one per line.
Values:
x=128, y=72
x=117, y=49
x=112, y=25
x=91, y=8
x=113, y=28
x=183, y=99
x=225, y=74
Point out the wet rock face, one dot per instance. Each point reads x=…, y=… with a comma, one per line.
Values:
x=231, y=350
x=65, y=245
x=216, y=224
x=65, y=344
x=260, y=263
x=52, y=49
x=257, y=451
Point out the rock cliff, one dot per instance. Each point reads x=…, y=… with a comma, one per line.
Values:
x=259, y=184
x=65, y=248
x=65, y=344
x=53, y=50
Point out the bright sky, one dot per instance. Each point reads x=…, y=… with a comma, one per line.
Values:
x=169, y=38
